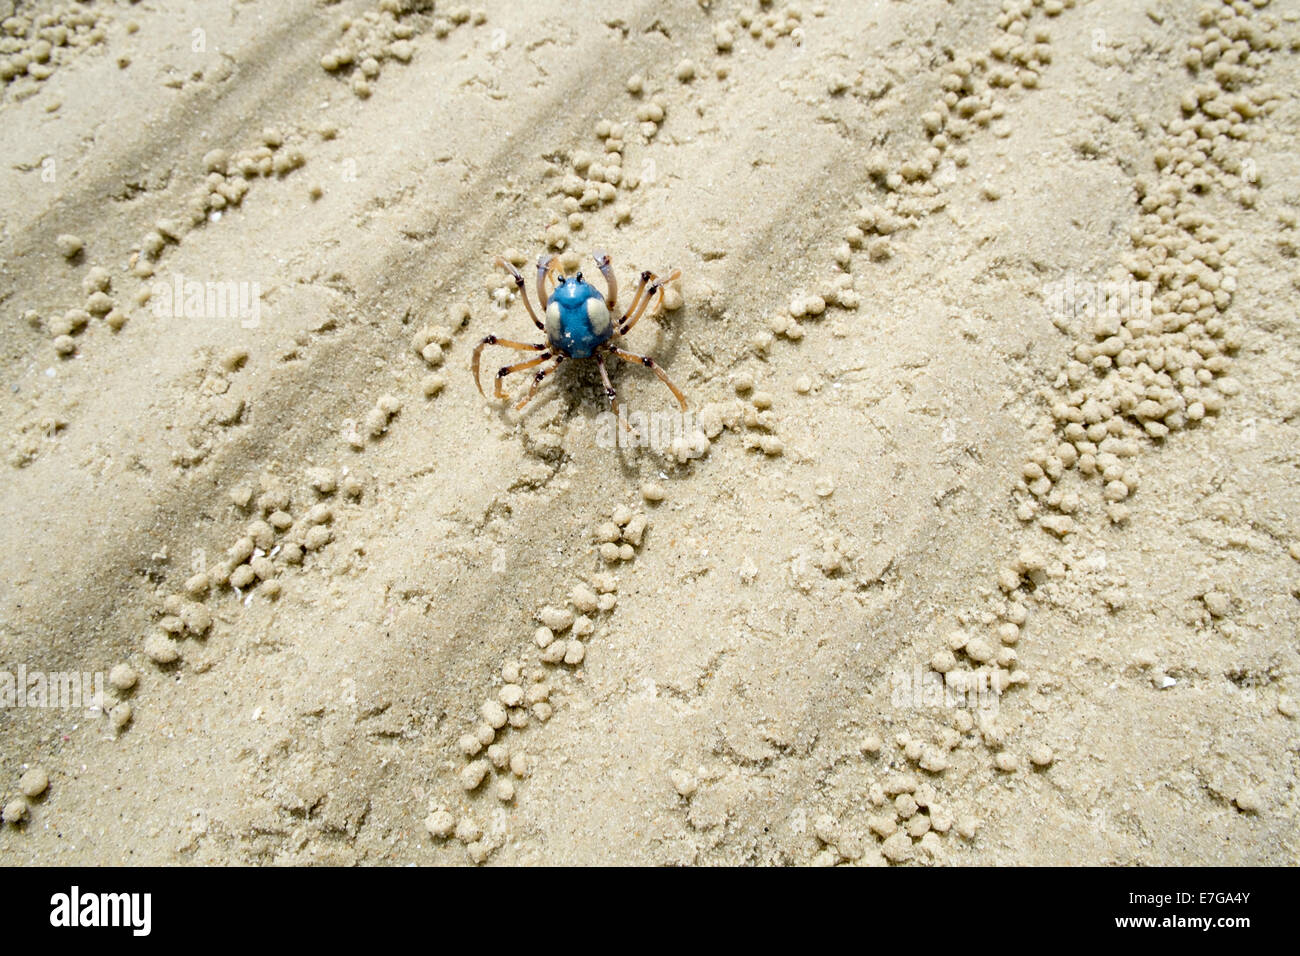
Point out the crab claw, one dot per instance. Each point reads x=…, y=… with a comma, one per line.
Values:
x=611, y=283
x=544, y=266
x=501, y=263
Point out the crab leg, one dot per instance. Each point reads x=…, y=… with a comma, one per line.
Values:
x=634, y=315
x=610, y=393
x=507, y=343
x=517, y=367
x=537, y=380
x=646, y=276
x=651, y=364
x=523, y=293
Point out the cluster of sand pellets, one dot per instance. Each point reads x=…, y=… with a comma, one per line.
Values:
x=531, y=685
x=368, y=42
x=1157, y=362
x=97, y=284
x=33, y=47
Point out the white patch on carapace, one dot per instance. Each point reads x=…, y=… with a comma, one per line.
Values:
x=553, y=322
x=598, y=315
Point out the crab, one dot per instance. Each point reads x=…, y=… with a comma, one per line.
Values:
x=579, y=323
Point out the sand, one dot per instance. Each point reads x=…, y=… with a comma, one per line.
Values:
x=938, y=569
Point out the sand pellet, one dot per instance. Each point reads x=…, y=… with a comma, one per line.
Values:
x=15, y=811
x=322, y=480
x=943, y=661
x=1248, y=801
x=196, y=618
x=558, y=619
x=583, y=598
x=653, y=492
x=317, y=537
x=1040, y=755
x=96, y=279
x=122, y=677
x=161, y=649
x=34, y=782
x=440, y=824
x=471, y=777
x=635, y=530
x=898, y=848
x=120, y=715
x=1217, y=603
x=493, y=714
x=69, y=246
x=467, y=831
